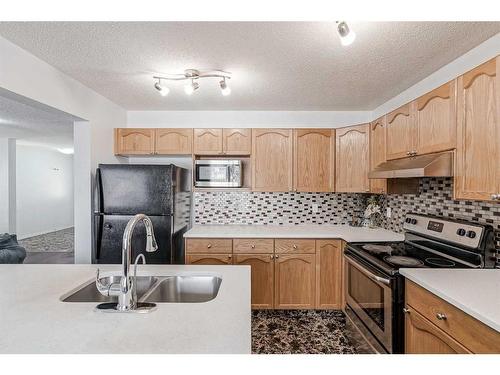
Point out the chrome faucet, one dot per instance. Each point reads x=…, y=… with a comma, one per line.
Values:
x=125, y=290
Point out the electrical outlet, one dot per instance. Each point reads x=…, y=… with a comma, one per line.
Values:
x=388, y=212
x=315, y=208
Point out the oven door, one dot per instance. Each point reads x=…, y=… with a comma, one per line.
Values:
x=369, y=295
x=218, y=173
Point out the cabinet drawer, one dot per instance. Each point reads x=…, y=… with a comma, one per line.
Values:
x=295, y=246
x=253, y=245
x=470, y=332
x=209, y=259
x=209, y=245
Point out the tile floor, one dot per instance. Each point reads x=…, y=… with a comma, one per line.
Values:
x=299, y=332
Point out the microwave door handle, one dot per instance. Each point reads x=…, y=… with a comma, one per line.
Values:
x=368, y=273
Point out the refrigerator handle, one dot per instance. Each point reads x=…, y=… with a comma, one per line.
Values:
x=98, y=201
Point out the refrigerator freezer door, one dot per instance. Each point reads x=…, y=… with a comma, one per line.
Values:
x=126, y=189
x=110, y=251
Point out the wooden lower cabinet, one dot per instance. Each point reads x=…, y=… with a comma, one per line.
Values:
x=434, y=326
x=329, y=274
x=209, y=259
x=423, y=337
x=294, y=282
x=262, y=271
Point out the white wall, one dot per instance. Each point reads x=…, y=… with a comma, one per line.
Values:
x=7, y=185
x=44, y=179
x=248, y=119
x=27, y=75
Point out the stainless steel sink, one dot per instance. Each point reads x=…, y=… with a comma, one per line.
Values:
x=184, y=289
x=88, y=292
x=173, y=289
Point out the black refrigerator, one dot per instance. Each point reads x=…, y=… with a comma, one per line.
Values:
x=163, y=192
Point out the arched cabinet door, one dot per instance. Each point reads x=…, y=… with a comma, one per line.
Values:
x=352, y=159
x=313, y=160
x=294, y=281
x=423, y=337
x=237, y=141
x=131, y=141
x=272, y=159
x=378, y=153
x=262, y=279
x=401, y=132
x=437, y=120
x=207, y=141
x=477, y=171
x=174, y=141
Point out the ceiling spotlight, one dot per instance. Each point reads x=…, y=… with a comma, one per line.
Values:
x=224, y=88
x=190, y=88
x=347, y=36
x=162, y=90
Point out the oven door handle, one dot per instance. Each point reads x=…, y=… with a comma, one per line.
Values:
x=367, y=273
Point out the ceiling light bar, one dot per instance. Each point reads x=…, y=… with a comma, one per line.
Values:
x=347, y=35
x=194, y=75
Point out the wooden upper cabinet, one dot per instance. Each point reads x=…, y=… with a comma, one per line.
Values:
x=378, y=153
x=262, y=278
x=294, y=284
x=174, y=141
x=352, y=159
x=237, y=141
x=313, y=160
x=272, y=159
x=401, y=132
x=436, y=119
x=207, y=141
x=477, y=171
x=130, y=141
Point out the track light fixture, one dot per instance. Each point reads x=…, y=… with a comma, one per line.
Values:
x=194, y=75
x=347, y=36
x=224, y=88
x=191, y=87
x=162, y=90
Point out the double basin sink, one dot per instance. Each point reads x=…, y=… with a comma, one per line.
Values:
x=155, y=289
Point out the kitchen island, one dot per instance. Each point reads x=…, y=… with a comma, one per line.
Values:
x=34, y=320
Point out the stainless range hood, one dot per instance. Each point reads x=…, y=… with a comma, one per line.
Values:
x=433, y=165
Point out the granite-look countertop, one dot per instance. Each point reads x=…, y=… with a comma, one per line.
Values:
x=34, y=320
x=475, y=291
x=345, y=232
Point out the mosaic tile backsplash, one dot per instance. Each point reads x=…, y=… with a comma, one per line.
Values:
x=276, y=208
x=435, y=197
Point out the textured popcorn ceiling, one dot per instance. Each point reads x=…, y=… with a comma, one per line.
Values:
x=276, y=65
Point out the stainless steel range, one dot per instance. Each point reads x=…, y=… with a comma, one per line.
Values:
x=375, y=289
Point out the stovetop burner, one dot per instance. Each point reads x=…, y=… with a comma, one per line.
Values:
x=403, y=261
x=378, y=249
x=440, y=262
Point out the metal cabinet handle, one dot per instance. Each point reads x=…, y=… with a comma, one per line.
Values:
x=252, y=246
x=495, y=196
x=406, y=310
x=277, y=256
x=272, y=256
x=295, y=247
x=209, y=246
x=441, y=316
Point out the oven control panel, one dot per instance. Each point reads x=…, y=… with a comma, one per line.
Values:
x=463, y=234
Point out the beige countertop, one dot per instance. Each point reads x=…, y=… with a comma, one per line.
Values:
x=34, y=320
x=345, y=232
x=475, y=291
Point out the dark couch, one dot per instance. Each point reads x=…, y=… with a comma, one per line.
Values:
x=10, y=250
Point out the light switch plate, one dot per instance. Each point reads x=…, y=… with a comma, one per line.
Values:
x=388, y=212
x=315, y=208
